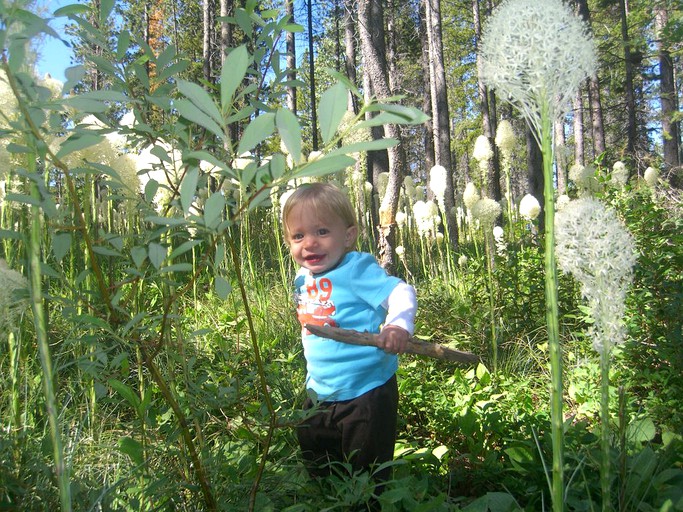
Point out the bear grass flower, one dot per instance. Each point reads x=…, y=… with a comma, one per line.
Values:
x=536, y=55
x=529, y=207
x=651, y=176
x=486, y=211
x=505, y=137
x=470, y=196
x=619, y=173
x=593, y=245
x=437, y=183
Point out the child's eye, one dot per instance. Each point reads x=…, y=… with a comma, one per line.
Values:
x=297, y=236
x=323, y=231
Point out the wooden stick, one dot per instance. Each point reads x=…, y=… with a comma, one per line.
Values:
x=415, y=346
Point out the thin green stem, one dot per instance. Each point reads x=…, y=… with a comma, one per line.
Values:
x=40, y=323
x=605, y=458
x=552, y=313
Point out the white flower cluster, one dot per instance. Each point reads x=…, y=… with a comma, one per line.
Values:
x=470, y=196
x=437, y=183
x=651, y=176
x=505, y=138
x=427, y=218
x=584, y=178
x=594, y=246
x=11, y=306
x=536, y=55
x=486, y=211
x=529, y=207
x=619, y=174
x=499, y=239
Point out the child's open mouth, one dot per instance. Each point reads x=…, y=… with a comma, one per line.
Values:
x=314, y=258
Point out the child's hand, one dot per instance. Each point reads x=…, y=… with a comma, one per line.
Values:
x=394, y=339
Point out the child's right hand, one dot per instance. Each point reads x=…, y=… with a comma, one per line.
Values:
x=393, y=339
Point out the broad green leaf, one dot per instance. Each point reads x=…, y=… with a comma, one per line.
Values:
x=151, y=188
x=172, y=70
x=188, y=187
x=332, y=109
x=74, y=75
x=105, y=251
x=222, y=287
x=77, y=142
x=166, y=57
x=132, y=448
x=166, y=221
x=277, y=166
x=256, y=132
x=201, y=99
x=183, y=248
x=408, y=115
x=290, y=132
x=191, y=112
x=177, y=267
x=126, y=392
x=324, y=166
x=104, y=95
x=641, y=430
x=105, y=10
x=72, y=10
x=122, y=44
x=61, y=244
x=157, y=254
x=369, y=145
x=213, y=209
x=233, y=72
x=138, y=255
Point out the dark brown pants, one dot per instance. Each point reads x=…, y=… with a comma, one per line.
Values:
x=361, y=431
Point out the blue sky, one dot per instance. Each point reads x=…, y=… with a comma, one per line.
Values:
x=54, y=56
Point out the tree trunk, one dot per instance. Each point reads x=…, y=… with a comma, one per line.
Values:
x=561, y=156
x=311, y=77
x=670, y=127
x=597, y=124
x=632, y=130
x=441, y=122
x=207, y=30
x=429, y=137
x=350, y=51
x=291, y=59
x=371, y=25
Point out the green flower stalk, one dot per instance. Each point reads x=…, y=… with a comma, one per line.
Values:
x=536, y=55
x=594, y=246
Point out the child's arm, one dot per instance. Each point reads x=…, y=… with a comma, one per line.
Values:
x=400, y=321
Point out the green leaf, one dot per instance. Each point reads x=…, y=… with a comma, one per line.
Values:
x=138, y=255
x=106, y=7
x=105, y=251
x=74, y=75
x=324, y=166
x=641, y=430
x=77, y=142
x=172, y=70
x=126, y=392
x=213, y=209
x=290, y=132
x=122, y=44
x=188, y=187
x=189, y=111
x=183, y=248
x=151, y=188
x=256, y=132
x=222, y=287
x=201, y=99
x=233, y=72
x=369, y=145
x=177, y=267
x=332, y=109
x=61, y=244
x=132, y=448
x=157, y=254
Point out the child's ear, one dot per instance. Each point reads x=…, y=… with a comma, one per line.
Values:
x=351, y=236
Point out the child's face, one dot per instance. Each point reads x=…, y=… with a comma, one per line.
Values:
x=318, y=243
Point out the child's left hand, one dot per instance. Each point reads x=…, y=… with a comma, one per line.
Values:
x=394, y=339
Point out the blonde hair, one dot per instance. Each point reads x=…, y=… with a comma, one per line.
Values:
x=322, y=199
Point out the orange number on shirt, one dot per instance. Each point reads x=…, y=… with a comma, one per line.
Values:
x=325, y=289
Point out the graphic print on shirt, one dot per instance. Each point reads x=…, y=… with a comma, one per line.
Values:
x=315, y=307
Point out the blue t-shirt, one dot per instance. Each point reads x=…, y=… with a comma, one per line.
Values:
x=347, y=296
